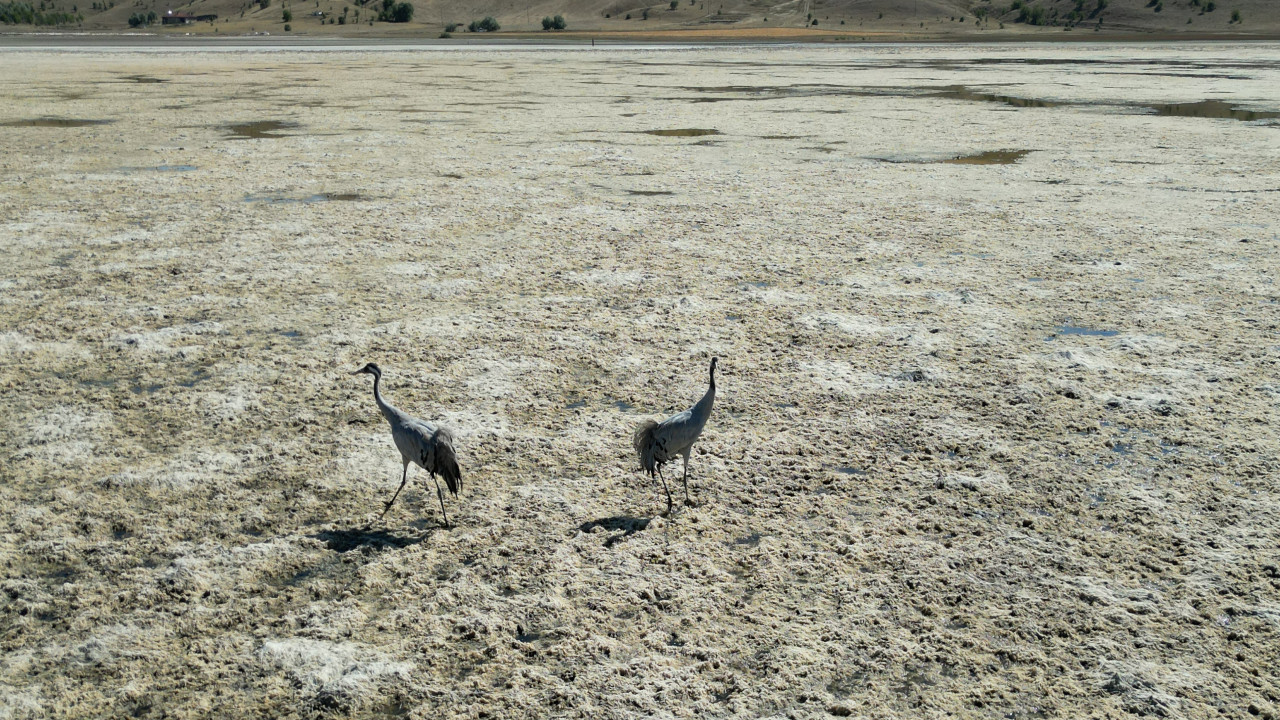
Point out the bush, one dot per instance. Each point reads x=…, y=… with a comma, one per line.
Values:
x=288, y=28
x=342, y=19
x=287, y=15
x=675, y=4
x=265, y=4
x=546, y=22
x=558, y=23
x=486, y=25
x=1235, y=16
x=402, y=13
x=451, y=27
x=1210, y=6
x=446, y=35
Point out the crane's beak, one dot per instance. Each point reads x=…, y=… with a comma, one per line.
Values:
x=357, y=372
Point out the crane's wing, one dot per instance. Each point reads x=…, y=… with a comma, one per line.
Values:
x=646, y=446
x=446, y=461
x=677, y=432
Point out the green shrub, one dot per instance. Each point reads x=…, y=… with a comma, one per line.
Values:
x=486, y=25
x=675, y=4
x=288, y=28
x=287, y=15
x=451, y=27
x=558, y=22
x=1235, y=16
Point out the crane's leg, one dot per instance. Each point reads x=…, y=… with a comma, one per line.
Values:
x=664, y=487
x=687, y=501
x=404, y=478
x=440, y=494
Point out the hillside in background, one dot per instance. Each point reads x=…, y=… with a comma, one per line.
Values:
x=869, y=19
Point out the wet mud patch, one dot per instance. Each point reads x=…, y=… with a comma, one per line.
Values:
x=259, y=129
x=628, y=524
x=1213, y=109
x=144, y=79
x=304, y=199
x=342, y=541
x=990, y=157
x=49, y=122
x=682, y=132
x=650, y=193
x=960, y=92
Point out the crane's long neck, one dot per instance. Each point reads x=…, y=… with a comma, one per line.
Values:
x=703, y=408
x=387, y=410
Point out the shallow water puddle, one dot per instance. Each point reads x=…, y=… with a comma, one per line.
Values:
x=849, y=470
x=55, y=122
x=1080, y=330
x=159, y=168
x=259, y=129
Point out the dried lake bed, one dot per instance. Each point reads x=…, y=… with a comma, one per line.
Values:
x=995, y=437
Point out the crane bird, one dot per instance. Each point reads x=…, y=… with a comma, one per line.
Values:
x=429, y=446
x=658, y=443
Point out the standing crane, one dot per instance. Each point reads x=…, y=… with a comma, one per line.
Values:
x=658, y=443
x=429, y=446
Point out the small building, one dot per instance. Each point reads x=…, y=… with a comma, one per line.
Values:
x=177, y=18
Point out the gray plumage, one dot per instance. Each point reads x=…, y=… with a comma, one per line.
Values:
x=430, y=446
x=658, y=443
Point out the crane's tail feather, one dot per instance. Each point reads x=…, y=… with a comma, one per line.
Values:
x=447, y=463
x=646, y=446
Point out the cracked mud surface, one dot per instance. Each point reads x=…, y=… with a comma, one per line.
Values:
x=992, y=440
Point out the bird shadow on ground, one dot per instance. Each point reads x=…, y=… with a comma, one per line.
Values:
x=347, y=540
x=627, y=523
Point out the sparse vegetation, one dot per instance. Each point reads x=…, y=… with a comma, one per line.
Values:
x=451, y=27
x=19, y=13
x=1235, y=17
x=143, y=19
x=395, y=12
x=1031, y=15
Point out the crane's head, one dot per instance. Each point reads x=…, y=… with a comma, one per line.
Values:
x=369, y=369
x=714, y=360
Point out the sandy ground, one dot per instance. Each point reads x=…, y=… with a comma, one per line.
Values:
x=992, y=440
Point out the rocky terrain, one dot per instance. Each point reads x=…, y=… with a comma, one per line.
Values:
x=997, y=331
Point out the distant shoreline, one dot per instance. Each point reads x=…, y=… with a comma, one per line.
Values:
x=754, y=36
